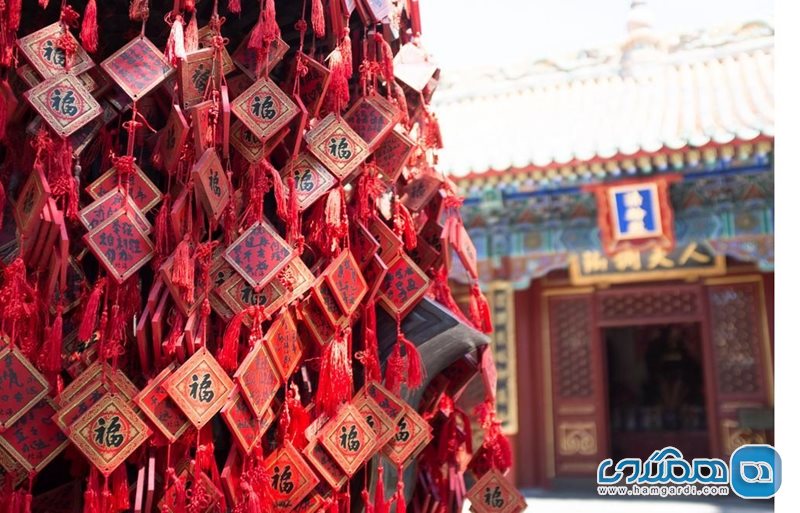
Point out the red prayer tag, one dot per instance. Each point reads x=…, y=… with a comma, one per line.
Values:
x=418, y=193
x=207, y=501
x=202, y=129
x=346, y=282
x=372, y=118
x=114, y=381
x=246, y=143
x=296, y=279
x=424, y=255
x=412, y=67
x=311, y=179
x=465, y=249
x=412, y=434
x=173, y=138
x=494, y=494
x=337, y=146
x=391, y=405
x=72, y=411
x=21, y=386
x=238, y=295
x=246, y=427
x=364, y=245
x=313, y=85
x=43, y=51
x=35, y=439
x=290, y=477
x=403, y=286
x=374, y=273
x=247, y=58
x=64, y=103
x=95, y=213
x=348, y=438
x=389, y=244
x=317, y=321
x=155, y=402
x=379, y=9
x=211, y=184
x=195, y=72
x=108, y=433
x=120, y=245
x=138, y=67
x=328, y=303
x=325, y=464
x=284, y=345
x=258, y=254
x=258, y=379
x=31, y=202
x=381, y=424
x=199, y=387
x=264, y=108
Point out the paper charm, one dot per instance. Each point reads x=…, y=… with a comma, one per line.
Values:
x=258, y=254
x=290, y=477
x=35, y=439
x=325, y=464
x=247, y=429
x=156, y=404
x=199, y=387
x=108, y=433
x=264, y=109
x=195, y=71
x=21, y=386
x=211, y=184
x=258, y=379
x=348, y=438
x=372, y=118
x=284, y=345
x=337, y=146
x=95, y=213
x=311, y=179
x=141, y=189
x=120, y=245
x=42, y=50
x=138, y=67
x=382, y=425
x=403, y=287
x=346, y=282
x=494, y=494
x=64, y=104
x=412, y=435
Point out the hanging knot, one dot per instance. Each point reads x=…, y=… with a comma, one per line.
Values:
x=69, y=16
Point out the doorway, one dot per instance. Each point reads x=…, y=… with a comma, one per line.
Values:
x=655, y=388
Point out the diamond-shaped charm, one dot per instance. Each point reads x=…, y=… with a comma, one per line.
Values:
x=246, y=58
x=348, y=438
x=258, y=379
x=258, y=254
x=35, y=439
x=392, y=406
x=418, y=193
x=346, y=282
x=247, y=429
x=162, y=411
x=207, y=501
x=413, y=433
x=311, y=179
x=313, y=85
x=120, y=245
x=21, y=386
x=325, y=464
x=389, y=244
x=494, y=494
x=392, y=154
x=246, y=143
x=374, y=272
x=211, y=184
x=195, y=72
x=138, y=67
x=403, y=286
x=372, y=118
x=364, y=245
x=199, y=387
x=284, y=345
x=93, y=214
x=108, y=433
x=114, y=380
x=64, y=103
x=330, y=306
x=173, y=137
x=264, y=108
x=238, y=295
x=337, y=146
x=42, y=50
x=141, y=189
x=72, y=411
x=382, y=425
x=316, y=321
x=290, y=477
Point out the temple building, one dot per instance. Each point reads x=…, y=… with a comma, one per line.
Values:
x=621, y=203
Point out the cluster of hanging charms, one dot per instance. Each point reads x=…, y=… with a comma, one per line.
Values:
x=196, y=239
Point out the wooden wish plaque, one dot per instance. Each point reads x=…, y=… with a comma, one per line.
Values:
x=31, y=203
x=372, y=118
x=403, y=286
x=80, y=404
x=346, y=282
x=205, y=38
x=97, y=212
x=311, y=179
x=156, y=404
x=325, y=464
x=258, y=254
x=195, y=72
x=173, y=137
x=64, y=104
x=43, y=51
x=141, y=189
x=264, y=108
x=120, y=245
x=337, y=146
x=392, y=406
x=108, y=433
x=35, y=439
x=258, y=379
x=211, y=184
x=494, y=494
x=382, y=425
x=247, y=144
x=290, y=477
x=313, y=85
x=246, y=427
x=316, y=321
x=247, y=58
x=284, y=344
x=364, y=245
x=138, y=67
x=413, y=433
x=199, y=387
x=348, y=438
x=21, y=386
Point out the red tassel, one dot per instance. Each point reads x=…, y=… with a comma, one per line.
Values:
x=50, y=357
x=3, y=119
x=2, y=190
x=336, y=223
x=404, y=226
x=381, y=505
x=292, y=224
x=347, y=53
x=183, y=269
x=369, y=359
x=91, y=497
x=161, y=231
x=277, y=189
x=495, y=452
x=14, y=14
x=190, y=38
x=119, y=489
x=89, y=37
x=139, y=10
x=395, y=367
x=175, y=50
x=387, y=58
x=443, y=294
x=89, y=319
x=400, y=496
x=235, y=6
x=339, y=89
x=415, y=371
x=271, y=29
x=335, y=375
x=479, y=310
x=228, y=355
x=317, y=18
x=294, y=421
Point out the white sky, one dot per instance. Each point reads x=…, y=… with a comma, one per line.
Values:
x=467, y=33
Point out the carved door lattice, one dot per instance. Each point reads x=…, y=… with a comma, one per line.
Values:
x=643, y=304
x=572, y=335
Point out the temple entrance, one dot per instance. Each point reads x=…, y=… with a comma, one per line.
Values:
x=656, y=395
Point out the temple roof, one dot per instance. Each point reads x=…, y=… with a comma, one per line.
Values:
x=648, y=95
